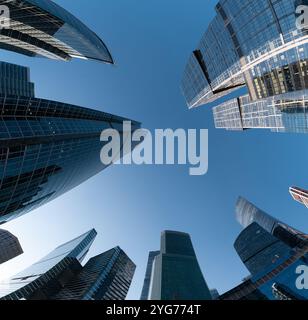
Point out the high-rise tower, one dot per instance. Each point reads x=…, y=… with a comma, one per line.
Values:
x=148, y=275
x=46, y=147
x=176, y=273
x=60, y=275
x=107, y=276
x=262, y=46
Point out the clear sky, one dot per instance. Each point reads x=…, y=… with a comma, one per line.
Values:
x=130, y=205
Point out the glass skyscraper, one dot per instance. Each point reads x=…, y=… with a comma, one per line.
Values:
x=176, y=274
x=46, y=147
x=9, y=246
x=107, y=276
x=259, y=249
x=43, y=28
x=259, y=45
x=148, y=275
x=274, y=253
x=247, y=213
x=47, y=276
x=60, y=275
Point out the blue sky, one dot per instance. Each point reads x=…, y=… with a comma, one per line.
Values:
x=130, y=205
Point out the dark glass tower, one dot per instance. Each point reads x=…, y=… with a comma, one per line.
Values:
x=260, y=46
x=148, y=275
x=9, y=246
x=105, y=277
x=60, y=275
x=259, y=250
x=46, y=147
x=274, y=253
x=176, y=273
x=50, y=274
x=247, y=213
x=43, y=28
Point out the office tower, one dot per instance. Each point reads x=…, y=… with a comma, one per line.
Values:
x=50, y=274
x=43, y=28
x=60, y=275
x=299, y=195
x=273, y=252
x=46, y=147
x=259, y=249
x=105, y=277
x=247, y=213
x=15, y=81
x=176, y=273
x=9, y=246
x=278, y=282
x=261, y=46
x=148, y=275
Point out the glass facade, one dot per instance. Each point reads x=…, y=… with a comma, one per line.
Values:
x=247, y=213
x=9, y=246
x=275, y=255
x=257, y=44
x=105, y=277
x=15, y=80
x=148, y=275
x=299, y=195
x=48, y=275
x=60, y=275
x=43, y=28
x=176, y=274
x=277, y=282
x=46, y=149
x=258, y=249
x=281, y=113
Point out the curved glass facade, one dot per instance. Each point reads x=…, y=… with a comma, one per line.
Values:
x=256, y=44
x=46, y=147
x=43, y=28
x=247, y=214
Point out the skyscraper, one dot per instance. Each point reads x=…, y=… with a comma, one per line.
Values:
x=273, y=252
x=107, y=276
x=259, y=249
x=50, y=274
x=176, y=273
x=263, y=47
x=280, y=280
x=9, y=246
x=43, y=28
x=299, y=195
x=247, y=213
x=60, y=275
x=46, y=147
x=148, y=275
